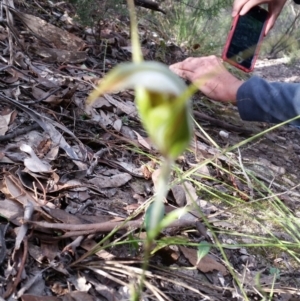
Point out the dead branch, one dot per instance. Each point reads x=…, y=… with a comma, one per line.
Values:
x=149, y=4
x=104, y=227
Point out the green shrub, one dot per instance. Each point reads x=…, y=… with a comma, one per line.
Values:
x=284, y=38
x=90, y=12
x=201, y=27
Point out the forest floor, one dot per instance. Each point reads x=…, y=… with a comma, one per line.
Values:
x=71, y=176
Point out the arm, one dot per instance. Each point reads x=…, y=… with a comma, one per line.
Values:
x=258, y=100
x=210, y=76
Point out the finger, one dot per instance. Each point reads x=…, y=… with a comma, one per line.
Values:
x=176, y=66
x=237, y=6
x=270, y=24
x=249, y=5
x=182, y=73
x=188, y=63
x=274, y=11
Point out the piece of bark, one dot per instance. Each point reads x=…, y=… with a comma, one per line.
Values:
x=149, y=4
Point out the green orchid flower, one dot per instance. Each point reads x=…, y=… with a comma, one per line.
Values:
x=161, y=102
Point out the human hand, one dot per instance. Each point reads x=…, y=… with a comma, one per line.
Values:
x=210, y=76
x=274, y=6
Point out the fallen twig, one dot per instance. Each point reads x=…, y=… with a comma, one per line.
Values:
x=222, y=124
x=19, y=132
x=3, y=243
x=18, y=279
x=85, y=229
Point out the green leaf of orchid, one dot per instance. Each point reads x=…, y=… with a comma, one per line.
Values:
x=203, y=249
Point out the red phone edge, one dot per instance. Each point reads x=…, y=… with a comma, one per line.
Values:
x=228, y=41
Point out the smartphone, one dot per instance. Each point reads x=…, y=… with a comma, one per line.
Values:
x=244, y=39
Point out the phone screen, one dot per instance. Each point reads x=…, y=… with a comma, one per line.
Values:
x=246, y=36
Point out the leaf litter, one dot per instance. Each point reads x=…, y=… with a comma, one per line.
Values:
x=69, y=177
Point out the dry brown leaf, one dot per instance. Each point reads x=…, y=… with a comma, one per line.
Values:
x=87, y=219
x=179, y=195
x=71, y=184
x=78, y=296
x=39, y=298
x=40, y=94
x=36, y=252
x=147, y=169
x=9, y=114
x=3, y=37
x=206, y=264
x=49, y=126
x=100, y=102
x=113, y=181
x=103, y=118
x=80, y=283
x=5, y=120
x=13, y=189
x=128, y=133
x=118, y=125
x=60, y=38
x=22, y=231
x=190, y=193
x=251, y=278
x=128, y=107
x=50, y=250
x=11, y=76
x=32, y=181
x=43, y=147
x=142, y=141
x=1, y=155
x=3, y=125
x=154, y=176
x=52, y=153
x=11, y=210
x=33, y=163
x=129, y=167
x=64, y=217
x=208, y=151
x=89, y=244
x=59, y=288
x=60, y=55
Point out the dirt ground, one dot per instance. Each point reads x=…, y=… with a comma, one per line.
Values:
x=71, y=174
x=280, y=70
x=278, y=150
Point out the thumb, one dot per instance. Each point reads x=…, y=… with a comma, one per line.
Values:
x=270, y=24
x=237, y=6
x=274, y=12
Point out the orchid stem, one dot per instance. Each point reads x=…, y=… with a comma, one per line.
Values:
x=158, y=206
x=137, y=56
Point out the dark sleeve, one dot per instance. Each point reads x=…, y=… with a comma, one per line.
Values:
x=259, y=100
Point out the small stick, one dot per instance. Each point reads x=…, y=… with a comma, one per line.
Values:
x=222, y=124
x=19, y=132
x=85, y=229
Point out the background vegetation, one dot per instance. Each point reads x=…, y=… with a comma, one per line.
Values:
x=200, y=26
